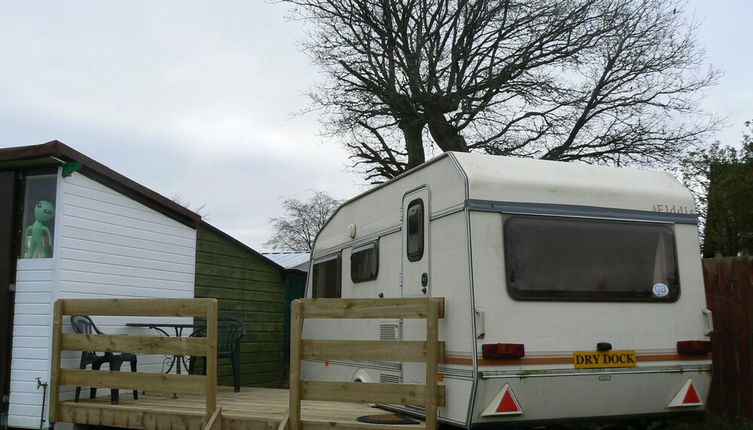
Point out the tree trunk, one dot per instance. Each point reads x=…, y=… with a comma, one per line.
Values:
x=414, y=143
x=445, y=135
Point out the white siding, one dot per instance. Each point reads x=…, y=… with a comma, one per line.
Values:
x=106, y=245
x=31, y=341
x=112, y=246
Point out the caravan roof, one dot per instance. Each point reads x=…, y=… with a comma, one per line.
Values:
x=553, y=182
x=515, y=185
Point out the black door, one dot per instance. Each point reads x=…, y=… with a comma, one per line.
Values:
x=7, y=277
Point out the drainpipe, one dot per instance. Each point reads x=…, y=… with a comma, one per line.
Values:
x=44, y=398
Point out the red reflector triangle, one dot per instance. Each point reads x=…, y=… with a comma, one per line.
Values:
x=691, y=396
x=507, y=404
x=504, y=403
x=686, y=396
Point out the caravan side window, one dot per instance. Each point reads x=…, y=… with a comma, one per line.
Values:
x=550, y=258
x=415, y=234
x=364, y=262
x=326, y=277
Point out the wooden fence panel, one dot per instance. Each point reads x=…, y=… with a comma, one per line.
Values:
x=369, y=308
x=429, y=394
x=187, y=384
x=743, y=335
x=137, y=307
x=135, y=344
x=729, y=293
x=191, y=384
x=358, y=392
x=368, y=350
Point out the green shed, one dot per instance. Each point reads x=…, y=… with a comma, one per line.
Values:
x=296, y=265
x=251, y=287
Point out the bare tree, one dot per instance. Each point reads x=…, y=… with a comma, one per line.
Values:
x=602, y=81
x=297, y=230
x=200, y=209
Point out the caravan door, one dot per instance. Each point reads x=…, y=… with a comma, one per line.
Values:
x=415, y=281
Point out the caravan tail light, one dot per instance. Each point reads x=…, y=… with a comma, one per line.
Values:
x=503, y=350
x=693, y=347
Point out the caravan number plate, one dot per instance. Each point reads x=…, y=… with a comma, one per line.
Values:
x=596, y=359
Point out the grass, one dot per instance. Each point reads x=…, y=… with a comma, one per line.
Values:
x=698, y=422
x=710, y=423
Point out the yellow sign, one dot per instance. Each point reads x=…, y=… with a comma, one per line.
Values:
x=595, y=359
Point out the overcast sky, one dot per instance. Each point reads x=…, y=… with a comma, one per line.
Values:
x=195, y=99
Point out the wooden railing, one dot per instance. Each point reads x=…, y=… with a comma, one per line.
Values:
x=430, y=395
x=187, y=384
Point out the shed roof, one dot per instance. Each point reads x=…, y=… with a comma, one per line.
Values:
x=55, y=153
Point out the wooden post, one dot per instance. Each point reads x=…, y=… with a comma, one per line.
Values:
x=296, y=332
x=57, y=333
x=211, y=359
x=432, y=352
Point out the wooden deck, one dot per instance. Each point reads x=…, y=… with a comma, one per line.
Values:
x=251, y=409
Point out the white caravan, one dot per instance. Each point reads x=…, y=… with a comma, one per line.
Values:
x=572, y=291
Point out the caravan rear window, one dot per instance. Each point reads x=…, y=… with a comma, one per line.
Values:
x=326, y=279
x=549, y=258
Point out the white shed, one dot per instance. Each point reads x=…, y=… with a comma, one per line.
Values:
x=73, y=228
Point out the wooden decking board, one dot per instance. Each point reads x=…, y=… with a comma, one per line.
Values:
x=251, y=409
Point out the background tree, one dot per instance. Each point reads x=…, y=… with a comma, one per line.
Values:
x=601, y=81
x=721, y=177
x=297, y=230
x=198, y=208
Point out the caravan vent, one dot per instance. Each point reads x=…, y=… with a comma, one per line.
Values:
x=388, y=379
x=389, y=332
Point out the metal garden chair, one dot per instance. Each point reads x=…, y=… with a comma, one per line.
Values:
x=83, y=324
x=230, y=330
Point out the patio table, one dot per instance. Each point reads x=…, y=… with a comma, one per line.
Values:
x=163, y=328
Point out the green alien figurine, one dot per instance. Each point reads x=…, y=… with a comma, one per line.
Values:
x=43, y=213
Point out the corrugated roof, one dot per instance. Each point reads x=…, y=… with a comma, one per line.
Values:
x=290, y=259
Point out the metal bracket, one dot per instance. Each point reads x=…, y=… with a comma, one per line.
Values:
x=708, y=316
x=12, y=288
x=70, y=167
x=480, y=316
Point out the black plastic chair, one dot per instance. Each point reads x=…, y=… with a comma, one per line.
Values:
x=82, y=324
x=230, y=330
